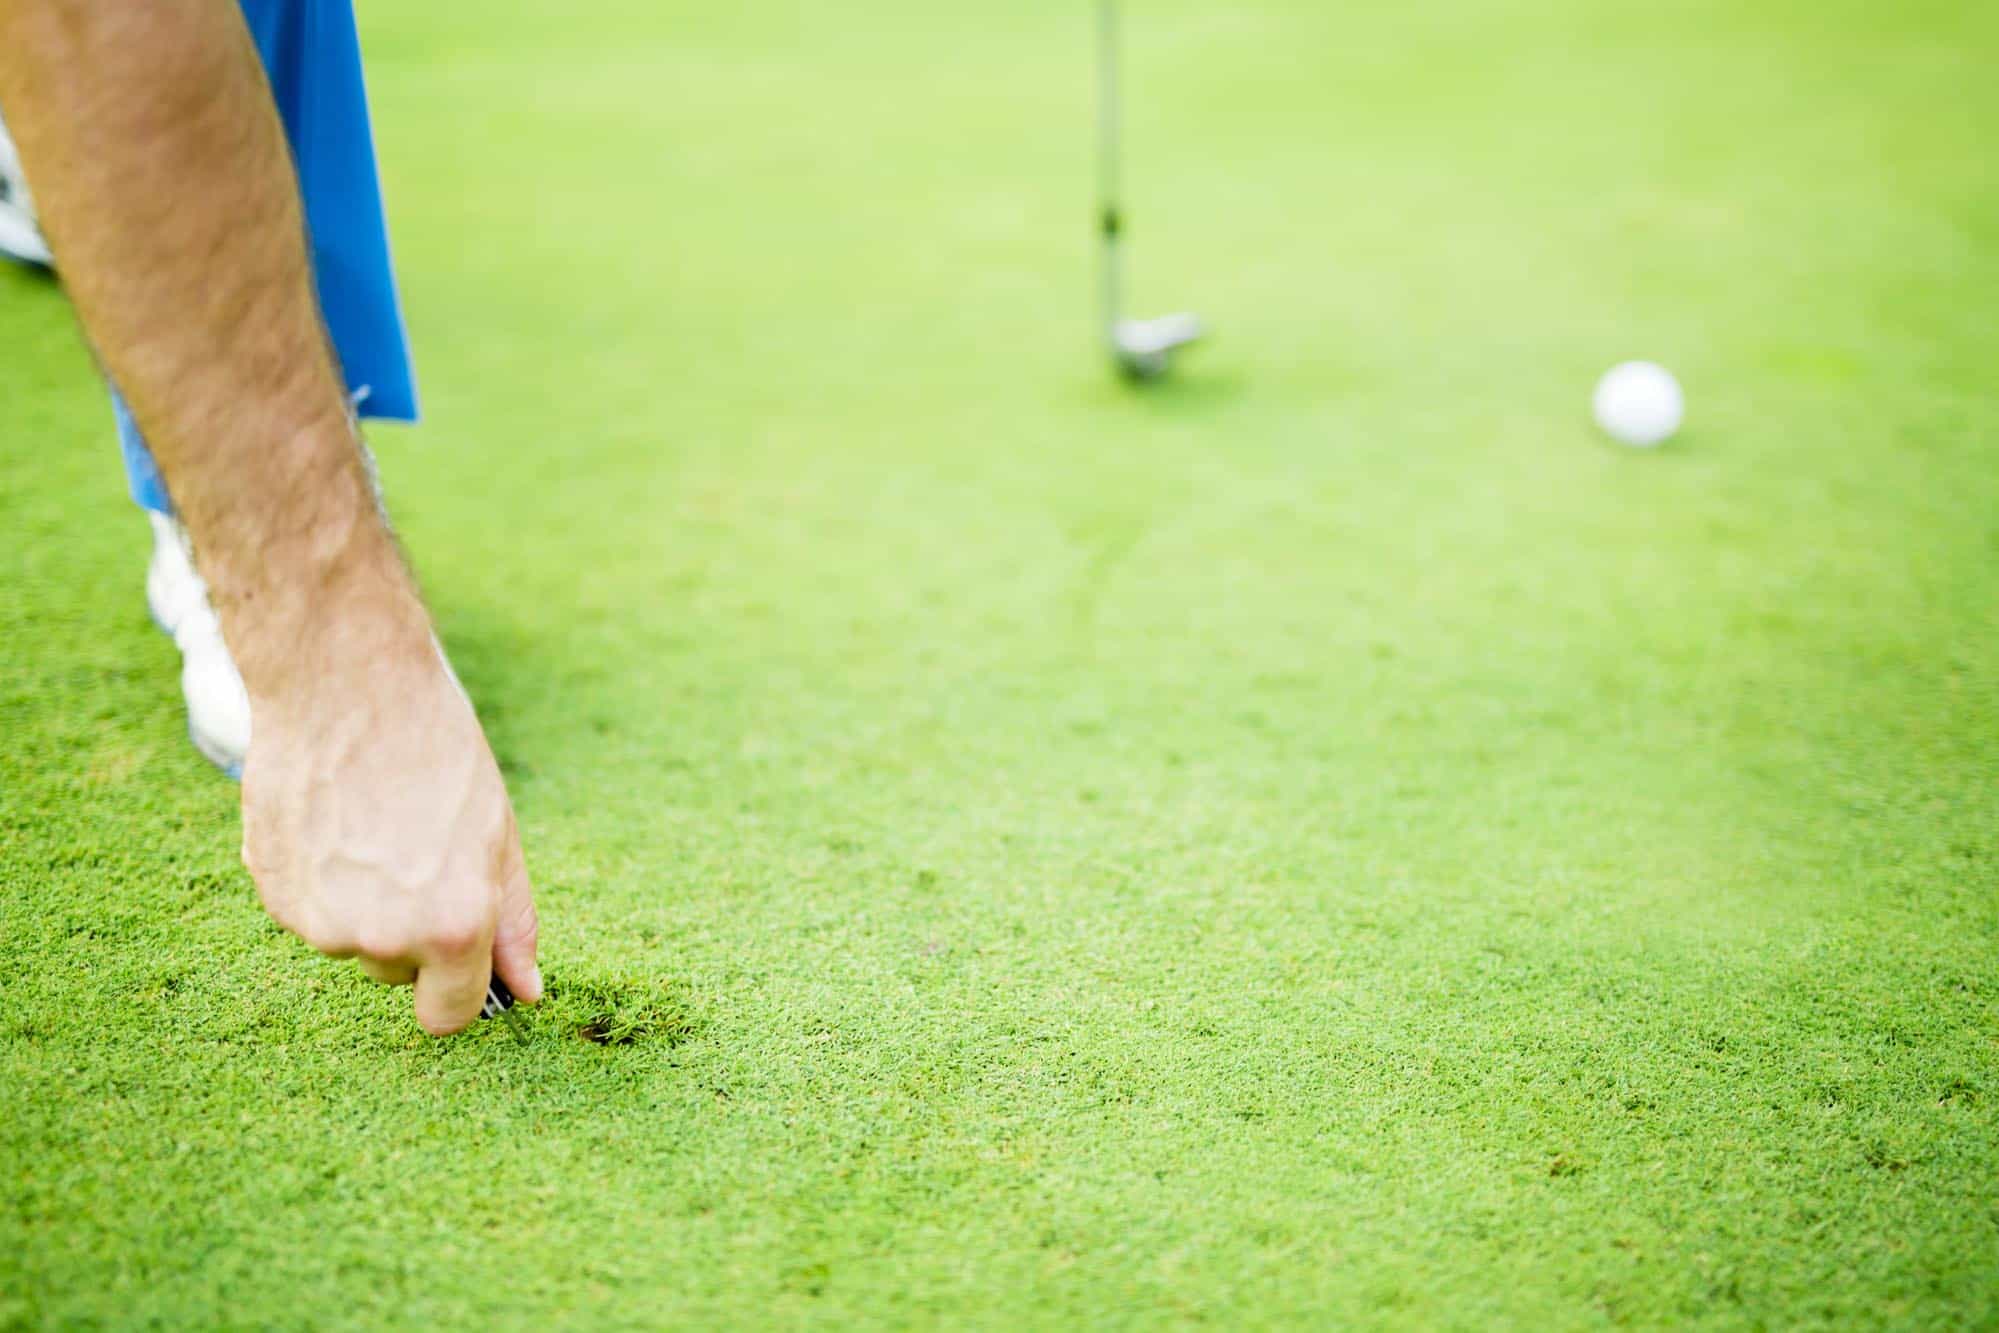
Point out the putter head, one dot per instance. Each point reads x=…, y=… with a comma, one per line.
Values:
x=1144, y=347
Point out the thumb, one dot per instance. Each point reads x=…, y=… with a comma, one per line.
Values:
x=515, y=934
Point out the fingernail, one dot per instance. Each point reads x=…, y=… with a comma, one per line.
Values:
x=534, y=979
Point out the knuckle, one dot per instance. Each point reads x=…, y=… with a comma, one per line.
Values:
x=323, y=930
x=328, y=937
x=380, y=942
x=454, y=936
x=283, y=907
x=332, y=943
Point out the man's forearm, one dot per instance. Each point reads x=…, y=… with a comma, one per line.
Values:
x=164, y=181
x=375, y=821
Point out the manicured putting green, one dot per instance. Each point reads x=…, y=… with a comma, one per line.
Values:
x=1330, y=839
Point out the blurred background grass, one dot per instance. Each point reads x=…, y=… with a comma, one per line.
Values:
x=1329, y=837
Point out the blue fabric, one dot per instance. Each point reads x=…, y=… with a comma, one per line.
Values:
x=312, y=57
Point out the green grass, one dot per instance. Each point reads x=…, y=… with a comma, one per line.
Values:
x=1328, y=839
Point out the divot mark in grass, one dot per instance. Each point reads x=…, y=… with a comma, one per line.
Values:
x=622, y=1011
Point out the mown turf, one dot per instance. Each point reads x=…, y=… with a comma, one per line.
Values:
x=1325, y=840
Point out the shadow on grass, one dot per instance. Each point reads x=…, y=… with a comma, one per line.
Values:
x=618, y=1010
x=622, y=1008
x=502, y=665
x=32, y=276
x=1187, y=394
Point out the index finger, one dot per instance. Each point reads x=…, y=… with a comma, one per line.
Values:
x=515, y=932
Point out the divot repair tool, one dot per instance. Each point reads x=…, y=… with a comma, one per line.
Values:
x=500, y=1004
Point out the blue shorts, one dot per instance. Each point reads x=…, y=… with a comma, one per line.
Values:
x=312, y=57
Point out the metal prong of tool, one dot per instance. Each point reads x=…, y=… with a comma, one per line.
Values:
x=500, y=1004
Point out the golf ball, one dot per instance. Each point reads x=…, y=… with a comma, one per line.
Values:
x=1638, y=403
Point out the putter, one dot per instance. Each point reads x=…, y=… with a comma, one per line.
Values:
x=500, y=1004
x=1141, y=348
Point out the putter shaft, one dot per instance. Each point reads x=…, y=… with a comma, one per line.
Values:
x=1141, y=348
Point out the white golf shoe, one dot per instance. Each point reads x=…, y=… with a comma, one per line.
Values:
x=218, y=707
x=20, y=234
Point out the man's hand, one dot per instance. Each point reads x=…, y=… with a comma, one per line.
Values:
x=376, y=827
x=375, y=822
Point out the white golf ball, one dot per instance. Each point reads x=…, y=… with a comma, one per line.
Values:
x=1638, y=403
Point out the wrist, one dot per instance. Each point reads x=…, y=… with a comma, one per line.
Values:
x=312, y=591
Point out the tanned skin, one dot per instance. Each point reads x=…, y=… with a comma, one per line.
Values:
x=375, y=822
